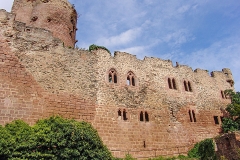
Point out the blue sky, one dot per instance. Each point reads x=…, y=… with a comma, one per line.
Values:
x=202, y=34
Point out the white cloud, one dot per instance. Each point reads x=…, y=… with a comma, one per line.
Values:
x=183, y=9
x=122, y=38
x=6, y=4
x=177, y=38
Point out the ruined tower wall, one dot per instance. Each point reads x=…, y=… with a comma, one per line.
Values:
x=58, y=16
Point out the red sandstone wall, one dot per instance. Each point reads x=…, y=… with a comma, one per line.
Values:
x=58, y=16
x=39, y=78
x=169, y=130
x=21, y=97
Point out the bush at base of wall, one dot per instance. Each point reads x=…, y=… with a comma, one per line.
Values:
x=53, y=138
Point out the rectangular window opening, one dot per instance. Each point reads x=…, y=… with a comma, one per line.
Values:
x=216, y=119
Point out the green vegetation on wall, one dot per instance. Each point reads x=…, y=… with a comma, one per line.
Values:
x=53, y=138
x=95, y=47
x=203, y=150
x=232, y=122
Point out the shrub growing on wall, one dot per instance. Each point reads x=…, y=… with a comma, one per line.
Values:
x=232, y=122
x=203, y=150
x=96, y=47
x=53, y=138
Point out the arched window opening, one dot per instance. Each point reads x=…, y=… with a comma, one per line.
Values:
x=190, y=115
x=128, y=81
x=124, y=115
x=141, y=116
x=115, y=78
x=194, y=117
x=112, y=76
x=131, y=80
x=189, y=86
x=185, y=86
x=174, y=84
x=146, y=117
x=169, y=83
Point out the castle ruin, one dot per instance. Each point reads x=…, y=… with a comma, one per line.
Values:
x=146, y=107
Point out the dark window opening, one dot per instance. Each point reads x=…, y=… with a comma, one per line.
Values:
x=115, y=78
x=144, y=144
x=49, y=19
x=185, y=86
x=190, y=115
x=110, y=78
x=128, y=81
x=28, y=29
x=119, y=113
x=189, y=87
x=124, y=115
x=216, y=119
x=194, y=117
x=34, y=18
x=146, y=117
x=141, y=116
x=133, y=81
x=223, y=95
x=169, y=83
x=174, y=84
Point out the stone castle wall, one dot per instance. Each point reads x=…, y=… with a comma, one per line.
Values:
x=58, y=16
x=39, y=77
x=33, y=79
x=169, y=129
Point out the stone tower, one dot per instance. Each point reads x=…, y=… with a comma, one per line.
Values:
x=58, y=16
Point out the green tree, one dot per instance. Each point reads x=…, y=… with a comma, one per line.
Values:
x=232, y=122
x=203, y=150
x=54, y=139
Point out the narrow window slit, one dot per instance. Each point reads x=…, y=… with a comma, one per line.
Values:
x=146, y=117
x=190, y=115
x=124, y=115
x=194, y=117
x=141, y=116
x=174, y=84
x=185, y=86
x=169, y=83
x=216, y=121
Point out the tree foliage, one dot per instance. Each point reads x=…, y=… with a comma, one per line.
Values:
x=53, y=138
x=203, y=150
x=96, y=47
x=232, y=122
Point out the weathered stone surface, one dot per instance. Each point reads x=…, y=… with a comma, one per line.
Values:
x=58, y=16
x=39, y=77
